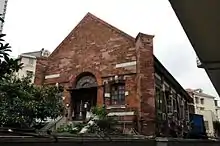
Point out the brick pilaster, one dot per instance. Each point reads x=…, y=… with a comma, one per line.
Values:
x=145, y=83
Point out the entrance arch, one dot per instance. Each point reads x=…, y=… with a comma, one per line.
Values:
x=84, y=94
x=86, y=81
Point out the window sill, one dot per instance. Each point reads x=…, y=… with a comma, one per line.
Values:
x=115, y=106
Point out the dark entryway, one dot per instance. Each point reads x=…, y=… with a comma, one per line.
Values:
x=84, y=95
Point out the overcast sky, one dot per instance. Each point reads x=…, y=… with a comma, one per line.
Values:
x=34, y=24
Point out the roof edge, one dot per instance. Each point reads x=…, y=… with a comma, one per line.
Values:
x=111, y=26
x=167, y=74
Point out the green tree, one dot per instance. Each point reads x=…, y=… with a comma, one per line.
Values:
x=23, y=105
x=7, y=64
x=216, y=125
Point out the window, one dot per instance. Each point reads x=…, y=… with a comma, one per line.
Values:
x=29, y=73
x=206, y=125
x=159, y=99
x=202, y=108
x=216, y=102
x=169, y=101
x=31, y=61
x=117, y=94
x=174, y=104
x=197, y=100
x=158, y=82
x=202, y=100
x=182, y=109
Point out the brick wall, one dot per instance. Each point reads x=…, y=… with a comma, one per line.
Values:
x=41, y=66
x=145, y=82
x=93, y=46
x=97, y=47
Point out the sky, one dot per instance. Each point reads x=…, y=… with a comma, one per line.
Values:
x=34, y=24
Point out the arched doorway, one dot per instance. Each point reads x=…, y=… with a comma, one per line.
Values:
x=84, y=95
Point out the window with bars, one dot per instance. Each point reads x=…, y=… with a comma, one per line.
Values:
x=182, y=108
x=169, y=101
x=117, y=94
x=159, y=104
x=174, y=102
x=159, y=100
x=158, y=82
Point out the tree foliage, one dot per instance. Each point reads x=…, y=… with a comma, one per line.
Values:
x=7, y=64
x=102, y=125
x=216, y=125
x=22, y=104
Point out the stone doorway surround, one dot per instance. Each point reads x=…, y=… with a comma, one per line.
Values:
x=85, y=92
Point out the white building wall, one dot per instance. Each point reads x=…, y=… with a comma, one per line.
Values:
x=208, y=116
x=208, y=110
x=29, y=64
x=3, y=6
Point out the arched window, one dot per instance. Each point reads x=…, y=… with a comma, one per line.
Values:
x=86, y=82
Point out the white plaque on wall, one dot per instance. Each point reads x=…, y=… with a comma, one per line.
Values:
x=107, y=94
x=126, y=93
x=126, y=64
x=52, y=76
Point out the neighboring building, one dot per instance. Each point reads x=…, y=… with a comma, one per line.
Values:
x=29, y=63
x=217, y=109
x=207, y=106
x=3, y=6
x=99, y=64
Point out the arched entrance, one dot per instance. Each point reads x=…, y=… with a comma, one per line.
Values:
x=84, y=95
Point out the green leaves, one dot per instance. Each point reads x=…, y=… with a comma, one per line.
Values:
x=22, y=103
x=1, y=19
x=216, y=125
x=7, y=64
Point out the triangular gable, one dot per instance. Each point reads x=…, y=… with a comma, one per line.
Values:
x=89, y=15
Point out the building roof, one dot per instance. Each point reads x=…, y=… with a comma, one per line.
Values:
x=159, y=67
x=34, y=53
x=27, y=56
x=196, y=92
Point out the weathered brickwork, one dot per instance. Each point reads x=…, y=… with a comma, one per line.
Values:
x=41, y=67
x=145, y=81
x=100, y=49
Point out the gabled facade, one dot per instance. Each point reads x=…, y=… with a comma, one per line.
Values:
x=99, y=64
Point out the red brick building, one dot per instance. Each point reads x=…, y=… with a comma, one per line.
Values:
x=99, y=64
